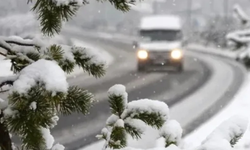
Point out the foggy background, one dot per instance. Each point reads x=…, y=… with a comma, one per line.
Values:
x=205, y=20
x=104, y=12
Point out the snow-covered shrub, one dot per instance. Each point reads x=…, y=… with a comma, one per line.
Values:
x=240, y=38
x=131, y=118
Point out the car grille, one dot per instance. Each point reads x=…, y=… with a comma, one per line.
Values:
x=157, y=54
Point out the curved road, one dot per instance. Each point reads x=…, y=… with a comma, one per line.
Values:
x=168, y=87
x=139, y=85
x=175, y=89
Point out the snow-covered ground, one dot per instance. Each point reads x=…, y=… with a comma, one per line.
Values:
x=240, y=105
x=215, y=51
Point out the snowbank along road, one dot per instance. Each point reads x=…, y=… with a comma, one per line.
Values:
x=216, y=80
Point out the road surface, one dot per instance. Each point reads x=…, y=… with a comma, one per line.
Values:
x=169, y=87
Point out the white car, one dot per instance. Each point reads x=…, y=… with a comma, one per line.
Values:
x=160, y=43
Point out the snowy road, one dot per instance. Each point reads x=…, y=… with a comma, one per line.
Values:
x=139, y=85
x=171, y=88
x=177, y=90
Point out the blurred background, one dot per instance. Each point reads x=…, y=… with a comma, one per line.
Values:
x=206, y=21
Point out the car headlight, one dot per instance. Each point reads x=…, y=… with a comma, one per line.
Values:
x=176, y=54
x=142, y=54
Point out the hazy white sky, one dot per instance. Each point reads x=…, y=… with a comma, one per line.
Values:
x=213, y=6
x=207, y=6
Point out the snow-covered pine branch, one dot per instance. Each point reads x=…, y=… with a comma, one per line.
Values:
x=225, y=136
x=131, y=118
x=23, y=52
x=52, y=13
x=171, y=132
x=39, y=92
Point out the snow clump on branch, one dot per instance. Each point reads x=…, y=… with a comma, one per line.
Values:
x=45, y=71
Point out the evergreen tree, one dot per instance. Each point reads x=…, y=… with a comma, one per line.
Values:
x=240, y=39
x=38, y=91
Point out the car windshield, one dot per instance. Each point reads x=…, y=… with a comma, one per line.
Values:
x=160, y=35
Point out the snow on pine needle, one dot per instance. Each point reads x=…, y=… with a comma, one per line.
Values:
x=58, y=147
x=49, y=139
x=68, y=55
x=130, y=117
x=33, y=106
x=23, y=52
x=150, y=108
x=112, y=119
x=137, y=125
x=44, y=71
x=119, y=90
x=171, y=131
x=96, y=58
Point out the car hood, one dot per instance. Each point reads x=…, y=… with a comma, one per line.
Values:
x=160, y=46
